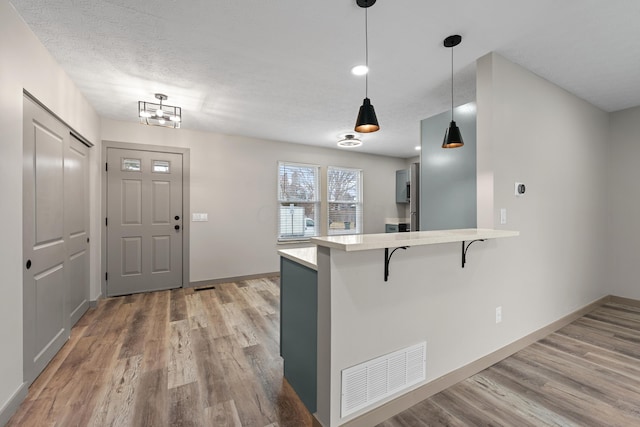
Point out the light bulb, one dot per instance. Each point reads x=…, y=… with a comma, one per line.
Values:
x=145, y=114
x=175, y=118
x=161, y=121
x=159, y=112
x=359, y=70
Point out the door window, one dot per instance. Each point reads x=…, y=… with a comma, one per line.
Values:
x=131, y=165
x=161, y=166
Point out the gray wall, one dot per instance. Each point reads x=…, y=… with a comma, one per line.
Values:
x=448, y=176
x=624, y=201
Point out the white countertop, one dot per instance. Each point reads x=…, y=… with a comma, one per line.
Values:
x=397, y=220
x=304, y=256
x=365, y=242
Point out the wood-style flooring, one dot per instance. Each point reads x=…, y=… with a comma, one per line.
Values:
x=211, y=358
x=171, y=358
x=585, y=374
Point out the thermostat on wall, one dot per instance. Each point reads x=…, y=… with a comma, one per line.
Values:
x=519, y=189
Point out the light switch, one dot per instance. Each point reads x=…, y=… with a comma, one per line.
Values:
x=200, y=217
x=503, y=216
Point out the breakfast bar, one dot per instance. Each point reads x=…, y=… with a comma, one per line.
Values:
x=366, y=307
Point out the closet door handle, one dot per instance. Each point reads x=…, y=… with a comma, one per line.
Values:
x=28, y=264
x=177, y=227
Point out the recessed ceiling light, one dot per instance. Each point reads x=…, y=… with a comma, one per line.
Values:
x=349, y=140
x=359, y=70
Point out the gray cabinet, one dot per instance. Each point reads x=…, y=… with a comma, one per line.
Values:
x=298, y=328
x=403, y=184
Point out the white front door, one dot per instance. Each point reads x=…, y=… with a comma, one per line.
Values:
x=144, y=221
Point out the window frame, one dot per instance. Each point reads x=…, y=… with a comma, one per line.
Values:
x=358, y=201
x=296, y=202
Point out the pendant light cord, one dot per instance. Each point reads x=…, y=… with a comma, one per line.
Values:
x=366, y=53
x=452, y=83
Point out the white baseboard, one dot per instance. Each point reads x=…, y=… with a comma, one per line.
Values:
x=12, y=405
x=94, y=302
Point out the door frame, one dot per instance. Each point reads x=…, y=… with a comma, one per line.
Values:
x=186, y=213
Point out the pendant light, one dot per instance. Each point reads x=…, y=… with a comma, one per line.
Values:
x=452, y=137
x=367, y=120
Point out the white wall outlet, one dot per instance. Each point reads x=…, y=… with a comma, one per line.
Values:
x=503, y=216
x=498, y=314
x=519, y=188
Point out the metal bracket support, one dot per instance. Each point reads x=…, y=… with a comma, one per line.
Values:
x=464, y=250
x=387, y=258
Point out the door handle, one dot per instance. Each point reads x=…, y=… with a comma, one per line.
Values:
x=176, y=217
x=177, y=227
x=28, y=264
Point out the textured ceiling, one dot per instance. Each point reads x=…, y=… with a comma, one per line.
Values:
x=280, y=69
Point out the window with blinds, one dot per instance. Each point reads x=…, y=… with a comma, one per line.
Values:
x=344, y=197
x=298, y=200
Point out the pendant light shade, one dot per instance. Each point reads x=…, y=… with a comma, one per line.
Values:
x=367, y=121
x=452, y=137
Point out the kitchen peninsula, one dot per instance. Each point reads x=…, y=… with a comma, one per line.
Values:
x=362, y=314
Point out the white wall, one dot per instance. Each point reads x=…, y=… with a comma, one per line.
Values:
x=234, y=179
x=554, y=142
x=624, y=200
x=25, y=65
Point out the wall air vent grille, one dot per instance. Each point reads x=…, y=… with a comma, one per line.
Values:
x=372, y=381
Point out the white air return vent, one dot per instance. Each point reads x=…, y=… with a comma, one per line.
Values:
x=372, y=381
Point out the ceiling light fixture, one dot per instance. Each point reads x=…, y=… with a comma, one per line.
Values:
x=156, y=114
x=349, y=140
x=367, y=120
x=452, y=137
